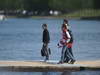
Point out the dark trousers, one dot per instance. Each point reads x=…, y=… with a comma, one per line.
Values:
x=45, y=50
x=70, y=50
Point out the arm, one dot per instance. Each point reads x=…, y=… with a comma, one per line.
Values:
x=69, y=36
x=48, y=36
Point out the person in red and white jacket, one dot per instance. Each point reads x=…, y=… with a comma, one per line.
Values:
x=66, y=44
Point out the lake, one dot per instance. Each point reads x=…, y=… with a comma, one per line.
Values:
x=21, y=39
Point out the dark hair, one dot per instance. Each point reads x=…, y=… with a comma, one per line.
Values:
x=64, y=26
x=44, y=25
x=65, y=20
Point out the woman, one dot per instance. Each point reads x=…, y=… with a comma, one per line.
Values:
x=66, y=44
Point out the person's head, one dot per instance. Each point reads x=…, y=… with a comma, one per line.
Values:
x=64, y=27
x=44, y=26
x=65, y=21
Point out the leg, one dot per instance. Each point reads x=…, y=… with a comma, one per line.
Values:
x=70, y=50
x=72, y=60
x=46, y=52
x=69, y=57
x=66, y=56
x=62, y=55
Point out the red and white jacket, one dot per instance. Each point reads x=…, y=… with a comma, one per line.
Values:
x=65, y=39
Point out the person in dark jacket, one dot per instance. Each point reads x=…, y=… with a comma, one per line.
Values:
x=46, y=37
x=46, y=40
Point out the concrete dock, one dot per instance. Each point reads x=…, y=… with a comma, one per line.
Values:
x=40, y=66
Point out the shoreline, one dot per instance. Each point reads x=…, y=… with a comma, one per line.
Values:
x=90, y=18
x=84, y=14
x=60, y=17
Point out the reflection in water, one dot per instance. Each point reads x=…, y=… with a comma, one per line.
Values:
x=57, y=73
x=66, y=73
x=45, y=73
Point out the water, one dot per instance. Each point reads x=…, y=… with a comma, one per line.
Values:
x=21, y=39
x=52, y=73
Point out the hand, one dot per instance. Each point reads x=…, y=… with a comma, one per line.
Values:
x=58, y=44
x=44, y=44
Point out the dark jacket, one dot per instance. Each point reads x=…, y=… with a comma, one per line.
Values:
x=46, y=37
x=71, y=40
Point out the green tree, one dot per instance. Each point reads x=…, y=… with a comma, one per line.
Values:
x=65, y=5
x=96, y=4
x=36, y=4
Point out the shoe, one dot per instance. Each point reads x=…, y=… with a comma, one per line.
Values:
x=66, y=61
x=47, y=58
x=49, y=51
x=71, y=61
x=60, y=62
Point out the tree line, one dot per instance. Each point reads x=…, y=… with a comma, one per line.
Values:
x=46, y=5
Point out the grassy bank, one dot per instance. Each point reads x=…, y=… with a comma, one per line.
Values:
x=87, y=14
x=83, y=13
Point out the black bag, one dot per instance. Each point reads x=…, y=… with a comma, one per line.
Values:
x=42, y=52
x=49, y=51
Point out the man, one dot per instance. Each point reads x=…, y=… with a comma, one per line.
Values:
x=46, y=39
